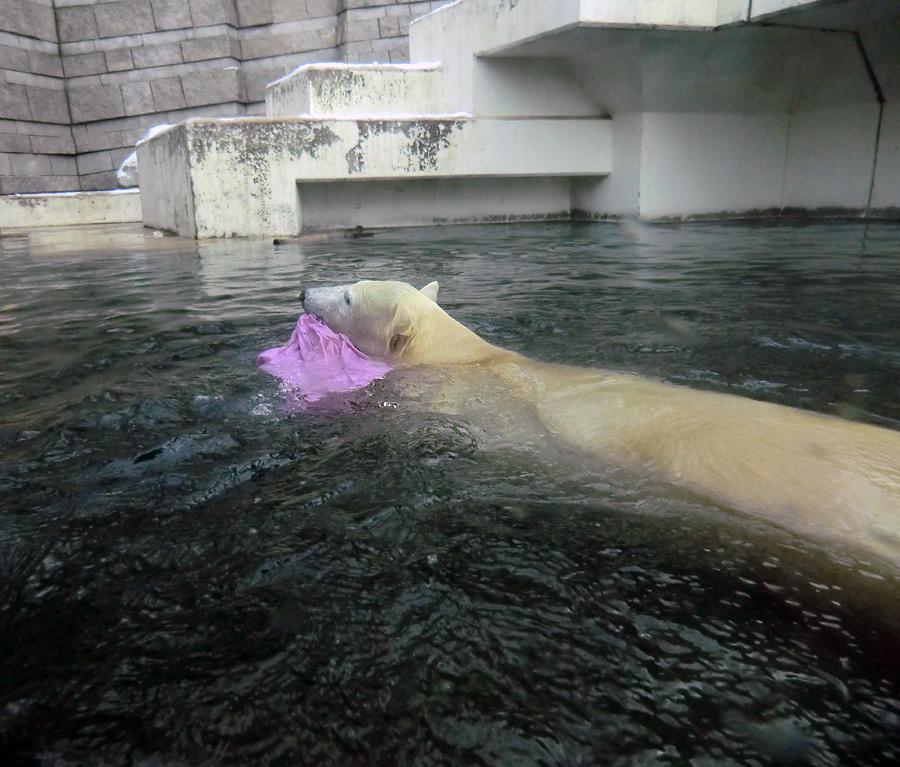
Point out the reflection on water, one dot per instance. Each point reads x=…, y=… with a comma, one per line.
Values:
x=195, y=570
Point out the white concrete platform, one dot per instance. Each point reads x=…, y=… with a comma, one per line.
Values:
x=345, y=90
x=656, y=109
x=720, y=108
x=229, y=178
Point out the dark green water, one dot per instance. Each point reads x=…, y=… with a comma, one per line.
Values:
x=195, y=570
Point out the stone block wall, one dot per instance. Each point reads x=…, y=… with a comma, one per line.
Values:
x=37, y=151
x=82, y=80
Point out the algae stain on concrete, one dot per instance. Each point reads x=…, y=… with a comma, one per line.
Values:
x=254, y=141
x=425, y=140
x=29, y=203
x=239, y=159
x=337, y=88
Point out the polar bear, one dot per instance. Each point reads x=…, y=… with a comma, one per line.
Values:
x=817, y=474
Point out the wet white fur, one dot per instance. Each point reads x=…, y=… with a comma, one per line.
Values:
x=815, y=473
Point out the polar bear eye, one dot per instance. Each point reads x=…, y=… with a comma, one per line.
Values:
x=347, y=299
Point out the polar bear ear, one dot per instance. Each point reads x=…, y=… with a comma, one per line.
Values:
x=430, y=290
x=398, y=343
x=402, y=332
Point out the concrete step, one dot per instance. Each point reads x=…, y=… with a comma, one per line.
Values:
x=69, y=208
x=337, y=90
x=263, y=176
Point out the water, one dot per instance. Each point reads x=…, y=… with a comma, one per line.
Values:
x=194, y=569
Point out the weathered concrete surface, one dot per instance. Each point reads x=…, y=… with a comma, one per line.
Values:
x=714, y=114
x=339, y=90
x=684, y=165
x=430, y=201
x=82, y=80
x=224, y=178
x=69, y=209
x=661, y=109
x=167, y=193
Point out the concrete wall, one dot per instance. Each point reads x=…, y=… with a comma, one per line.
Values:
x=82, y=80
x=719, y=107
x=425, y=202
x=323, y=90
x=256, y=176
x=37, y=150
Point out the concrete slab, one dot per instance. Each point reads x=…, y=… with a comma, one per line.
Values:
x=498, y=27
x=701, y=164
x=342, y=90
x=69, y=208
x=427, y=202
x=658, y=109
x=849, y=15
x=226, y=178
x=829, y=159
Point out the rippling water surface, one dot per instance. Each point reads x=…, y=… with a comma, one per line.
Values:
x=196, y=569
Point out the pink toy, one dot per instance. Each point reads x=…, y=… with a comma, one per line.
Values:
x=317, y=361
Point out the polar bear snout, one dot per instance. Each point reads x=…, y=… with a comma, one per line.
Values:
x=311, y=299
x=330, y=304
x=304, y=301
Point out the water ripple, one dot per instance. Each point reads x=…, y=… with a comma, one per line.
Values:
x=197, y=568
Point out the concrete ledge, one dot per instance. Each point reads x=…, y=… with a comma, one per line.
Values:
x=116, y=206
x=228, y=178
x=357, y=90
x=750, y=117
x=427, y=202
x=492, y=28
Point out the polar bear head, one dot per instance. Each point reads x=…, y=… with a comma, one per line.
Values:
x=394, y=321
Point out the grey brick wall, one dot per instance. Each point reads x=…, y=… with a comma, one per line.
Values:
x=82, y=80
x=35, y=130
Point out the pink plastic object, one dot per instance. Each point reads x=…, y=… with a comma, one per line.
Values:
x=317, y=361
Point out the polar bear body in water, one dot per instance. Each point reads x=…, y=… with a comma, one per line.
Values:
x=814, y=473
